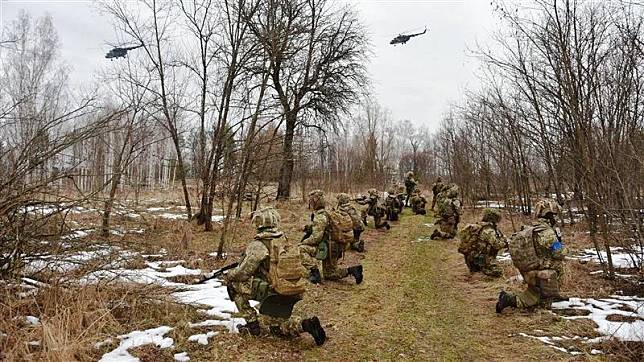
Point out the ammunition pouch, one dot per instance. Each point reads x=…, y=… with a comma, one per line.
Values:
x=548, y=283
x=323, y=251
x=260, y=289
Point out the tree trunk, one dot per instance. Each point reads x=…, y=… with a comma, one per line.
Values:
x=286, y=171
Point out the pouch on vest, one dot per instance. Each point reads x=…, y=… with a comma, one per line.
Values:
x=323, y=251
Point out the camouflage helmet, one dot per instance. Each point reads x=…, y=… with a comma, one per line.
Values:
x=372, y=192
x=343, y=198
x=266, y=217
x=545, y=207
x=316, y=199
x=391, y=191
x=491, y=215
x=410, y=174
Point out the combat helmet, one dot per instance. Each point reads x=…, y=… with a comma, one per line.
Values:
x=392, y=191
x=343, y=198
x=410, y=174
x=491, y=215
x=316, y=199
x=453, y=191
x=265, y=218
x=545, y=207
x=372, y=192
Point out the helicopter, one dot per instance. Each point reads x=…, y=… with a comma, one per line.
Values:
x=403, y=39
x=120, y=52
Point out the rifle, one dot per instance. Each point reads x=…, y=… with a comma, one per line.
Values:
x=308, y=229
x=217, y=273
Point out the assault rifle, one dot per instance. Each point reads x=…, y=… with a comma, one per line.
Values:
x=308, y=229
x=217, y=273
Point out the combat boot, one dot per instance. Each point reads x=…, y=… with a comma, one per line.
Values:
x=356, y=272
x=358, y=246
x=251, y=328
x=314, y=276
x=505, y=300
x=313, y=327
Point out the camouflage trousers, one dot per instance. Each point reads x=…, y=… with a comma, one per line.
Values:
x=485, y=264
x=307, y=252
x=543, y=285
x=282, y=326
x=330, y=270
x=446, y=228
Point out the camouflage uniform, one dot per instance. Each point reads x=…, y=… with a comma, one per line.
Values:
x=543, y=283
x=320, y=246
x=400, y=195
x=449, y=211
x=250, y=281
x=410, y=184
x=374, y=209
x=437, y=187
x=418, y=203
x=344, y=206
x=480, y=255
x=391, y=205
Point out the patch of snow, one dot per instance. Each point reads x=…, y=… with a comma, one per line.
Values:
x=601, y=309
x=181, y=357
x=75, y=234
x=621, y=257
x=34, y=321
x=155, y=209
x=136, y=339
x=551, y=342
x=167, y=215
x=34, y=343
x=596, y=351
x=202, y=338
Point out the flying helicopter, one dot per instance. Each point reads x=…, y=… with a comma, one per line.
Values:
x=120, y=52
x=403, y=39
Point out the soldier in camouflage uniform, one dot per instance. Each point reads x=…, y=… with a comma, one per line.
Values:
x=410, y=184
x=449, y=211
x=250, y=281
x=400, y=195
x=319, y=246
x=374, y=209
x=418, y=202
x=543, y=282
x=344, y=205
x=480, y=250
x=391, y=205
x=437, y=187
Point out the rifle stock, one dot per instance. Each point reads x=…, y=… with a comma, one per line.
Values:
x=218, y=273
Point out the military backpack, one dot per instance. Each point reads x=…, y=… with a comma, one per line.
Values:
x=341, y=226
x=522, y=249
x=468, y=236
x=286, y=274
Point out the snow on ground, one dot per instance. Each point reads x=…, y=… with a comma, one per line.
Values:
x=600, y=310
x=202, y=338
x=76, y=234
x=621, y=257
x=136, y=339
x=181, y=357
x=552, y=341
x=153, y=274
x=67, y=262
x=34, y=321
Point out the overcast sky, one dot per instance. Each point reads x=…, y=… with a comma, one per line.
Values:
x=416, y=81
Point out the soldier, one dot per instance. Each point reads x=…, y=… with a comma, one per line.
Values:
x=250, y=280
x=344, y=205
x=391, y=205
x=481, y=242
x=418, y=202
x=400, y=195
x=538, y=252
x=321, y=246
x=437, y=187
x=410, y=184
x=449, y=211
x=375, y=209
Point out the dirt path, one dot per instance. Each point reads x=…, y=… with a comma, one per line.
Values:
x=417, y=302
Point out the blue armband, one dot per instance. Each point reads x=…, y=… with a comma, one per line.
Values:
x=556, y=246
